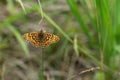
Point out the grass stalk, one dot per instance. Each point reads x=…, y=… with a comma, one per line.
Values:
x=41, y=65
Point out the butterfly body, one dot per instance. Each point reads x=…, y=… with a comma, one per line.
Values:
x=40, y=38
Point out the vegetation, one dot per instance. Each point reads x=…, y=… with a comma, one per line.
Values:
x=89, y=40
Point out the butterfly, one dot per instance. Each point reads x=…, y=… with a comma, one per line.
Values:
x=41, y=38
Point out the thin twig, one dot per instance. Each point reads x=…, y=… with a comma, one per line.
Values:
x=87, y=70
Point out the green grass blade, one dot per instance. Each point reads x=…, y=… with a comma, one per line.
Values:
x=19, y=38
x=79, y=18
x=116, y=20
x=106, y=32
x=88, y=13
x=76, y=46
x=20, y=2
x=105, y=28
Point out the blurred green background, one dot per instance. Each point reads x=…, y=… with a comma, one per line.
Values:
x=89, y=46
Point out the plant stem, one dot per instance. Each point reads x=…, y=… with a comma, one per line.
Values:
x=41, y=64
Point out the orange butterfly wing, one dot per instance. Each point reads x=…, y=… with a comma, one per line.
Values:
x=41, y=38
x=48, y=39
